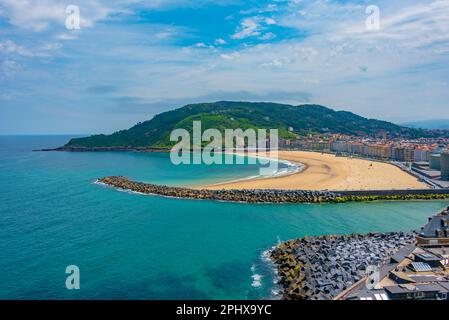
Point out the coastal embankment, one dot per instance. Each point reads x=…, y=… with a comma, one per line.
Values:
x=270, y=196
x=248, y=196
x=315, y=268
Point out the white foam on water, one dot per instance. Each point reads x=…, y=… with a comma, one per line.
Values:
x=256, y=284
x=257, y=280
x=291, y=168
x=276, y=291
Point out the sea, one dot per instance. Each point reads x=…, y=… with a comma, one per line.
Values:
x=133, y=246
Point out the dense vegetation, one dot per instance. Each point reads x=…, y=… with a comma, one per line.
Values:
x=304, y=119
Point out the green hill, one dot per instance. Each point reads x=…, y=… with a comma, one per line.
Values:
x=304, y=119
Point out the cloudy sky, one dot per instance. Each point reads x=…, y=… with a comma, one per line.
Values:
x=133, y=59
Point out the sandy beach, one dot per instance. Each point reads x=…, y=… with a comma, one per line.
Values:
x=328, y=172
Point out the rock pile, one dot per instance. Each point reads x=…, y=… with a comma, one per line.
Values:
x=249, y=196
x=321, y=267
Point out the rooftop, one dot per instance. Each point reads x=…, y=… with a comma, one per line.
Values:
x=414, y=272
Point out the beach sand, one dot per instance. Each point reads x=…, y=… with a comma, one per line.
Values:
x=328, y=172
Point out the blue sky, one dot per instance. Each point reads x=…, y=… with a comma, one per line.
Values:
x=133, y=59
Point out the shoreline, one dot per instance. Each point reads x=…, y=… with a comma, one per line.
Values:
x=315, y=171
x=103, y=149
x=298, y=168
x=328, y=172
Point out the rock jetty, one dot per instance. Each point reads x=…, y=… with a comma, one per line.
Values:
x=317, y=268
x=272, y=196
x=248, y=196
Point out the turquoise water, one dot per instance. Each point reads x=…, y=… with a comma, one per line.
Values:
x=131, y=246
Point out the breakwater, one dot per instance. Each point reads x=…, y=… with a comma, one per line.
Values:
x=249, y=196
x=314, y=268
x=272, y=196
x=387, y=193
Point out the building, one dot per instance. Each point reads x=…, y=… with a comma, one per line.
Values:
x=435, y=162
x=445, y=166
x=319, y=145
x=341, y=147
x=403, y=154
x=421, y=155
x=357, y=148
x=435, y=232
x=418, y=272
x=284, y=143
x=414, y=274
x=379, y=151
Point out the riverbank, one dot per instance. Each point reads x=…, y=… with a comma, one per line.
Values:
x=269, y=195
x=329, y=172
x=313, y=268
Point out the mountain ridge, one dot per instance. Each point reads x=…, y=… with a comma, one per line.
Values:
x=431, y=124
x=303, y=119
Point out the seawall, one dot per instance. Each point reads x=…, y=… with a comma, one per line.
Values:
x=248, y=196
x=272, y=196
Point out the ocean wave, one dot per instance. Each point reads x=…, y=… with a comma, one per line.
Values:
x=276, y=288
x=289, y=169
x=257, y=280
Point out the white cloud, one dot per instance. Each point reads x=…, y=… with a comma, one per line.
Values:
x=267, y=36
x=272, y=7
x=9, y=47
x=270, y=21
x=248, y=27
x=251, y=27
x=220, y=42
x=9, y=67
x=40, y=15
x=230, y=56
x=340, y=63
x=67, y=36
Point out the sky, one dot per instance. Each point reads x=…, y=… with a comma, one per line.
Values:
x=130, y=60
